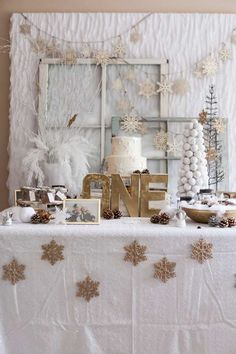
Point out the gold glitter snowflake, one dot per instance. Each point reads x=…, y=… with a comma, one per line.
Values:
x=161, y=140
x=135, y=36
x=119, y=49
x=219, y=125
x=25, y=28
x=131, y=123
x=209, y=66
x=181, y=87
x=135, y=253
x=87, y=289
x=117, y=85
x=211, y=154
x=164, y=87
x=147, y=88
x=225, y=53
x=52, y=252
x=102, y=57
x=123, y=105
x=202, y=117
x=202, y=250
x=13, y=272
x=164, y=270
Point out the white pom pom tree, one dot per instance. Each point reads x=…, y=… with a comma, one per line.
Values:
x=193, y=170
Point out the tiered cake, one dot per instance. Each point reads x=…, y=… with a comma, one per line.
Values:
x=126, y=156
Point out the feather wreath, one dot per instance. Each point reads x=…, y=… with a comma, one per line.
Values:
x=63, y=146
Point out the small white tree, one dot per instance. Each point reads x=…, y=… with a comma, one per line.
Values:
x=193, y=170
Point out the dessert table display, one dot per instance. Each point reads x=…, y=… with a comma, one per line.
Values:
x=124, y=286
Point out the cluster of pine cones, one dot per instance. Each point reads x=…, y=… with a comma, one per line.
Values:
x=221, y=222
x=162, y=218
x=41, y=217
x=112, y=214
x=143, y=172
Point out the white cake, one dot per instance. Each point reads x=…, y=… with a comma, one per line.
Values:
x=126, y=156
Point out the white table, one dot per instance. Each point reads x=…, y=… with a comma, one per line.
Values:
x=194, y=313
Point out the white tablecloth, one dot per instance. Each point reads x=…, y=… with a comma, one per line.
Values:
x=194, y=313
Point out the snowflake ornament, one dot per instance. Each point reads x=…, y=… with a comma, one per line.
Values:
x=60, y=216
x=161, y=140
x=147, y=88
x=209, y=66
x=164, y=270
x=201, y=250
x=219, y=125
x=25, y=28
x=135, y=36
x=131, y=123
x=88, y=289
x=164, y=87
x=135, y=253
x=181, y=87
x=202, y=117
x=102, y=57
x=117, y=85
x=39, y=45
x=119, y=49
x=211, y=154
x=174, y=147
x=225, y=53
x=123, y=105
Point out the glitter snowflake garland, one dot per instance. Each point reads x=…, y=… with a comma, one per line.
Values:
x=225, y=53
x=174, y=146
x=135, y=253
x=131, y=123
x=201, y=251
x=25, y=29
x=164, y=270
x=119, y=49
x=147, y=88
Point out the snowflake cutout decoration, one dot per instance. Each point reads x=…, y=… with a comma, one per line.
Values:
x=181, y=87
x=130, y=75
x=165, y=87
x=119, y=49
x=13, y=272
x=164, y=270
x=225, y=54
x=25, y=28
x=135, y=36
x=211, y=154
x=161, y=140
x=135, y=253
x=102, y=57
x=123, y=105
x=201, y=250
x=147, y=88
x=87, y=289
x=52, y=252
x=219, y=125
x=131, y=123
x=60, y=216
x=202, y=117
x=209, y=66
x=70, y=57
x=174, y=147
x=39, y=45
x=117, y=85
x=53, y=50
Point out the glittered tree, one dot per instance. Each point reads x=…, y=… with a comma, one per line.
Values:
x=213, y=126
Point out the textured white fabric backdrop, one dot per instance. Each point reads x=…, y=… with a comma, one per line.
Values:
x=182, y=38
x=135, y=313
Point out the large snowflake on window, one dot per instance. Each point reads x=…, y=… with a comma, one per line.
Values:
x=147, y=88
x=161, y=140
x=164, y=87
x=131, y=123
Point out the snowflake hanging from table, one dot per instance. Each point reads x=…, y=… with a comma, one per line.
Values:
x=201, y=250
x=175, y=146
x=209, y=66
x=25, y=28
x=164, y=87
x=147, y=88
x=130, y=75
x=161, y=140
x=88, y=289
x=225, y=53
x=119, y=49
x=123, y=105
x=13, y=272
x=131, y=123
x=52, y=252
x=135, y=35
x=117, y=84
x=135, y=253
x=211, y=154
x=102, y=57
x=219, y=125
x=202, y=117
x=164, y=270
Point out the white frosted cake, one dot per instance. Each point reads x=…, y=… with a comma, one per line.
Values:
x=126, y=156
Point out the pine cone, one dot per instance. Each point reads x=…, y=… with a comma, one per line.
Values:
x=117, y=214
x=41, y=217
x=108, y=214
x=213, y=221
x=146, y=172
x=164, y=219
x=223, y=222
x=137, y=171
x=231, y=221
x=155, y=219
